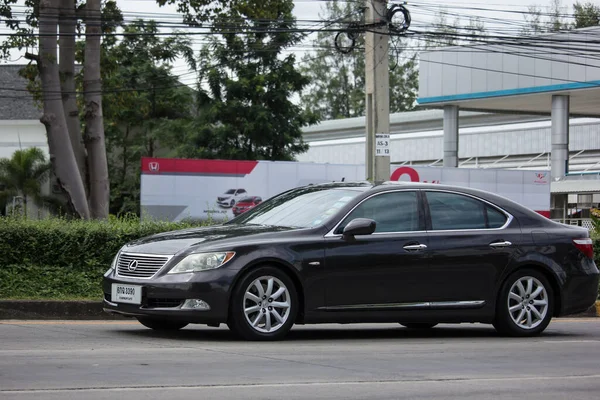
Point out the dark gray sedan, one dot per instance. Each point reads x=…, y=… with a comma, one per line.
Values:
x=416, y=254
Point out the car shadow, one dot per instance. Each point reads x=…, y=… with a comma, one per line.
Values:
x=316, y=333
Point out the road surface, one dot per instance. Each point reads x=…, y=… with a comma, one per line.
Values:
x=121, y=359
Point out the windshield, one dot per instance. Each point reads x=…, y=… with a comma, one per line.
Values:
x=300, y=208
x=246, y=200
x=230, y=191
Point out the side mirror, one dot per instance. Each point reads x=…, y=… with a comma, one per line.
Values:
x=360, y=226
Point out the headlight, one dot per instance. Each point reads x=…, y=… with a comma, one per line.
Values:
x=113, y=265
x=202, y=262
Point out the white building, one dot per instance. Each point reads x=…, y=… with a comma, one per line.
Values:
x=514, y=106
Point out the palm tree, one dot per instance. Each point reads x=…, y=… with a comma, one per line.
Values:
x=23, y=175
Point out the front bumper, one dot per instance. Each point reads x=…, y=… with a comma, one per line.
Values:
x=224, y=203
x=164, y=296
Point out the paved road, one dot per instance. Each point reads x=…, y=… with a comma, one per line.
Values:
x=108, y=360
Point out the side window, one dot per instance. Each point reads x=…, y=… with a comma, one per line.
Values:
x=393, y=212
x=451, y=211
x=496, y=218
x=454, y=211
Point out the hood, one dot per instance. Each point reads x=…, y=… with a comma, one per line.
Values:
x=176, y=241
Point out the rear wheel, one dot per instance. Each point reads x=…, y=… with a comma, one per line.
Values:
x=525, y=305
x=419, y=325
x=161, y=324
x=263, y=305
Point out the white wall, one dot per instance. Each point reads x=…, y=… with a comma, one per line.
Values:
x=21, y=134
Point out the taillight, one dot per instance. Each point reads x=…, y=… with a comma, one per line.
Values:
x=586, y=246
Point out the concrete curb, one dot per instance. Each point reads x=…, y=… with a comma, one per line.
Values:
x=92, y=310
x=54, y=310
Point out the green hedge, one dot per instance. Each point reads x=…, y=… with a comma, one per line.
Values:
x=62, y=259
x=59, y=258
x=57, y=283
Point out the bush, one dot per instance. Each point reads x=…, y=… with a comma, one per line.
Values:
x=60, y=258
x=597, y=256
x=34, y=282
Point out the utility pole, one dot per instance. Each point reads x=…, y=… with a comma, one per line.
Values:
x=377, y=84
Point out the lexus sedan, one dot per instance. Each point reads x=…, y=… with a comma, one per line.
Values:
x=411, y=253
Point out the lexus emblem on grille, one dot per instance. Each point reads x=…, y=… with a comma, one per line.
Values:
x=153, y=166
x=132, y=265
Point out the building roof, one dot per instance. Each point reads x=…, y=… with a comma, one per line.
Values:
x=515, y=74
x=16, y=103
x=411, y=122
x=585, y=183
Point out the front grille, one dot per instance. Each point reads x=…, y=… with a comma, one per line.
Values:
x=164, y=303
x=145, y=267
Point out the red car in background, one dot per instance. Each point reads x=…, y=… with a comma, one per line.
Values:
x=246, y=204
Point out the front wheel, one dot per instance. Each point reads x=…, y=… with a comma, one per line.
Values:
x=161, y=324
x=263, y=305
x=525, y=304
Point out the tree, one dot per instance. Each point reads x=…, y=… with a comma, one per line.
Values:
x=533, y=22
x=73, y=168
x=246, y=85
x=557, y=12
x=444, y=33
x=154, y=108
x=23, y=175
x=587, y=14
x=62, y=155
x=94, y=123
x=337, y=80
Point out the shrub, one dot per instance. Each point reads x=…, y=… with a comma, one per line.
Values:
x=75, y=244
x=60, y=258
x=34, y=282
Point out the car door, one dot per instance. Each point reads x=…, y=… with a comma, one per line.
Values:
x=470, y=242
x=386, y=269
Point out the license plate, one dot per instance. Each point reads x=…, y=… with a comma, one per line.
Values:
x=131, y=294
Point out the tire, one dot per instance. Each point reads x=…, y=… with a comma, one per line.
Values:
x=249, y=305
x=530, y=315
x=161, y=324
x=419, y=325
x=232, y=203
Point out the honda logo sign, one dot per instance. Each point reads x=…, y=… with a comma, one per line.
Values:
x=153, y=166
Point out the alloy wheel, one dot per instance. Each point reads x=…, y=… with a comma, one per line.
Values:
x=267, y=304
x=527, y=302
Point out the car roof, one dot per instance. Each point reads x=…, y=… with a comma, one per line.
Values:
x=494, y=198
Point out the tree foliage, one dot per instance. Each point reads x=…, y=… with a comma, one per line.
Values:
x=246, y=83
x=553, y=20
x=23, y=175
x=143, y=103
x=586, y=14
x=79, y=165
x=337, y=80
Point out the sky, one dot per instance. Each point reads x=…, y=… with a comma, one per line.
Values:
x=499, y=16
x=496, y=14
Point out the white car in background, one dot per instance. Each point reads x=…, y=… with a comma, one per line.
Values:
x=230, y=197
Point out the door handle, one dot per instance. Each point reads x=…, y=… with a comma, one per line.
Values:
x=500, y=244
x=416, y=247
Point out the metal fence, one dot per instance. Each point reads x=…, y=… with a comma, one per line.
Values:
x=584, y=222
